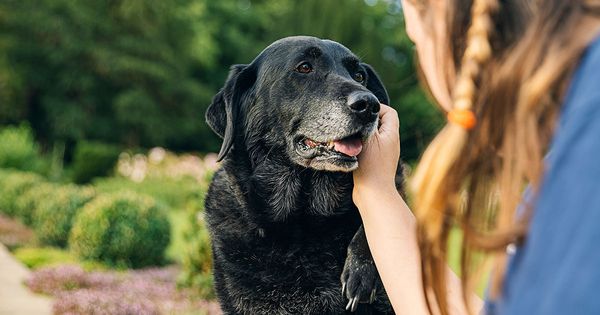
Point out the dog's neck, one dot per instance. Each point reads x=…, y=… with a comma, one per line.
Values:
x=282, y=191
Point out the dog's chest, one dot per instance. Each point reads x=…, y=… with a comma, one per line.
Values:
x=295, y=247
x=284, y=192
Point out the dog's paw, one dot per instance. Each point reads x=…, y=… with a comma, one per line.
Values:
x=360, y=281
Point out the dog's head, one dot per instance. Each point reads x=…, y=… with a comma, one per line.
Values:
x=308, y=98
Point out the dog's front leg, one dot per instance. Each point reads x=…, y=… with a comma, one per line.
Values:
x=360, y=279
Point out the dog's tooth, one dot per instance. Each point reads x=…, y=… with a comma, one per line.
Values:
x=310, y=143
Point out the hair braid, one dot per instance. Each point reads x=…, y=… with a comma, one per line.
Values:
x=430, y=184
x=428, y=181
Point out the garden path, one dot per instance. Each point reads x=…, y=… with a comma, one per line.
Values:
x=15, y=298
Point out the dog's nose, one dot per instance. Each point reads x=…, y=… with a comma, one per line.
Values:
x=363, y=103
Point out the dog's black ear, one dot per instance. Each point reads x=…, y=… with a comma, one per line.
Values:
x=223, y=114
x=375, y=85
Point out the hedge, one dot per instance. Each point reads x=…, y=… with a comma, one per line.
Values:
x=122, y=229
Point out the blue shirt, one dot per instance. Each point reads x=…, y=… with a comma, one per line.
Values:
x=557, y=270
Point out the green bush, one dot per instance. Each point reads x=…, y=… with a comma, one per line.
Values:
x=27, y=203
x=124, y=229
x=53, y=218
x=196, y=256
x=18, y=149
x=93, y=159
x=13, y=184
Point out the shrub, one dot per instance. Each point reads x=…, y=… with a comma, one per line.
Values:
x=121, y=229
x=53, y=218
x=14, y=184
x=196, y=257
x=18, y=149
x=93, y=159
x=27, y=203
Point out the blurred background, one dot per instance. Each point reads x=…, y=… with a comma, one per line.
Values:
x=102, y=109
x=139, y=73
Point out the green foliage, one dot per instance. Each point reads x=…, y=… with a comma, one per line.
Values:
x=18, y=149
x=38, y=257
x=34, y=258
x=455, y=240
x=93, y=159
x=27, y=203
x=196, y=254
x=419, y=122
x=116, y=71
x=13, y=184
x=178, y=221
x=53, y=218
x=176, y=193
x=142, y=73
x=124, y=229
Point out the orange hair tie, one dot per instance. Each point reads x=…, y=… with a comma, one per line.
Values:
x=462, y=117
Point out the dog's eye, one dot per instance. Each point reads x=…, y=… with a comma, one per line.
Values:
x=304, y=67
x=359, y=77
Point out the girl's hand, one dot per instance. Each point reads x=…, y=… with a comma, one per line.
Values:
x=378, y=161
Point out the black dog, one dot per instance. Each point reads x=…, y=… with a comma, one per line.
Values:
x=280, y=212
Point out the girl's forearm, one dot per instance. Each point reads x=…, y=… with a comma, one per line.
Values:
x=390, y=229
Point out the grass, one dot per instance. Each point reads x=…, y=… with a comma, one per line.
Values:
x=454, y=245
x=38, y=257
x=454, y=248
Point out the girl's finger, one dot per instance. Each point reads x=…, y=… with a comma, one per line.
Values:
x=388, y=118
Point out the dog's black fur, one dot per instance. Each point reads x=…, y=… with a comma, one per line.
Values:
x=283, y=225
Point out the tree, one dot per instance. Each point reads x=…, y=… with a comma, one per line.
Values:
x=116, y=71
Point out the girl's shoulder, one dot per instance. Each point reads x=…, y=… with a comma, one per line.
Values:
x=584, y=90
x=579, y=122
x=556, y=269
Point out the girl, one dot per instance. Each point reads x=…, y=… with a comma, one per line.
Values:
x=520, y=81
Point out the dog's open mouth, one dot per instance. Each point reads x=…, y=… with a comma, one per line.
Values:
x=346, y=148
x=332, y=152
x=350, y=146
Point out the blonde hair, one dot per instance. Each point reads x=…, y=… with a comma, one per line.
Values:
x=514, y=82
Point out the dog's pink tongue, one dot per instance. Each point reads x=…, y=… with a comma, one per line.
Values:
x=350, y=147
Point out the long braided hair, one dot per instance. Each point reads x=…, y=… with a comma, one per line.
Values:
x=513, y=61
